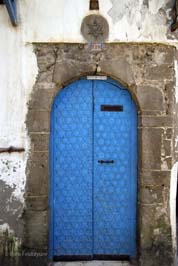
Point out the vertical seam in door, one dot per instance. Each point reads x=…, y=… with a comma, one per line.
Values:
x=92, y=168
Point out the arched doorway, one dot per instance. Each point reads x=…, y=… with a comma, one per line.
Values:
x=93, y=172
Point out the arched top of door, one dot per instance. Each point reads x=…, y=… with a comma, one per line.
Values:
x=109, y=79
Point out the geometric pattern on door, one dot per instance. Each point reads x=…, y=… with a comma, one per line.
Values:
x=93, y=171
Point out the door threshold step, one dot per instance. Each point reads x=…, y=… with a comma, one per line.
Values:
x=93, y=263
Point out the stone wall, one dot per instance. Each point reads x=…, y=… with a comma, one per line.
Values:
x=147, y=70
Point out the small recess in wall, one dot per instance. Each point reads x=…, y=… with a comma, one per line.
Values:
x=94, y=5
x=174, y=24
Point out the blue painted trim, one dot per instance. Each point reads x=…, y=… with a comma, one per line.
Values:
x=93, y=133
x=134, y=171
x=12, y=10
x=51, y=197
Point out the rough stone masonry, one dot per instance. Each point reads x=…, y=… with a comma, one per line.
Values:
x=147, y=70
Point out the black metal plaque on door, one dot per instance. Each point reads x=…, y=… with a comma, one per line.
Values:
x=112, y=108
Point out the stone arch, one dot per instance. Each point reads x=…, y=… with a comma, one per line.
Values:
x=101, y=74
x=133, y=66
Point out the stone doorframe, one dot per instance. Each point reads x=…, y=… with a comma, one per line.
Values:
x=147, y=71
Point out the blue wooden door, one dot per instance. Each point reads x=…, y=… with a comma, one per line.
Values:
x=115, y=165
x=93, y=171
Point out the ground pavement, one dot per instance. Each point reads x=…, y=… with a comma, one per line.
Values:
x=93, y=263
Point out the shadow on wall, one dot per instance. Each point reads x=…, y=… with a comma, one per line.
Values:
x=177, y=217
x=174, y=209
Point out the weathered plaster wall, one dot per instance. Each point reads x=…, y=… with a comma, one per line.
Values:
x=58, y=21
x=140, y=20
x=18, y=71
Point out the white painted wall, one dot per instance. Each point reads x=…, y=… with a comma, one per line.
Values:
x=59, y=21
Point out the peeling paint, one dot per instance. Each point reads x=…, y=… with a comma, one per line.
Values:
x=122, y=8
x=11, y=210
x=11, y=170
x=5, y=227
x=155, y=6
x=10, y=245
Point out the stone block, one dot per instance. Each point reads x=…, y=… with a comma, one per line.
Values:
x=155, y=238
x=38, y=121
x=160, y=54
x=153, y=194
x=116, y=52
x=160, y=254
x=65, y=71
x=46, y=57
x=37, y=174
x=50, y=86
x=155, y=178
x=118, y=68
x=154, y=224
x=150, y=144
x=149, y=54
x=39, y=142
x=45, y=76
x=156, y=121
x=42, y=101
x=150, y=98
x=160, y=72
x=36, y=203
x=36, y=229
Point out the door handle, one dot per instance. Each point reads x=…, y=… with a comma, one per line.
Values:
x=106, y=161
